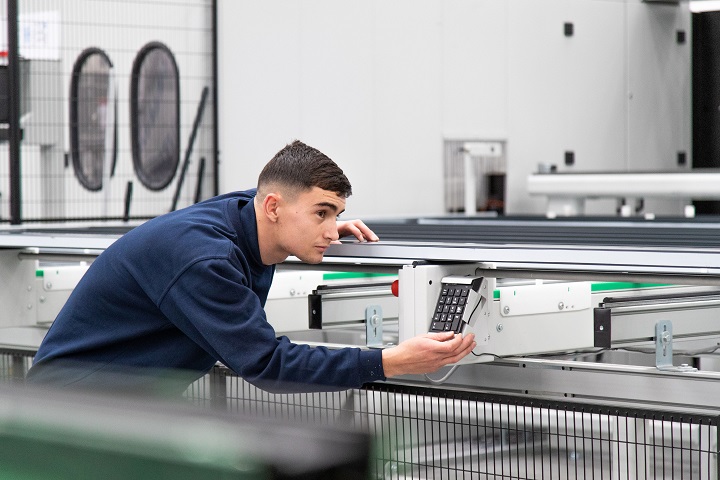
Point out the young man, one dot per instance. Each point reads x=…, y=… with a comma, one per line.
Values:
x=185, y=290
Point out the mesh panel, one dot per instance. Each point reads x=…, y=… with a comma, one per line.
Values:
x=433, y=433
x=14, y=365
x=155, y=116
x=57, y=182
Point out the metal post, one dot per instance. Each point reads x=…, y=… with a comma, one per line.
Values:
x=14, y=112
x=714, y=455
x=218, y=389
x=215, y=113
x=470, y=184
x=17, y=368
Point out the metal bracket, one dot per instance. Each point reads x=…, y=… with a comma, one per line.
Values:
x=373, y=326
x=664, y=349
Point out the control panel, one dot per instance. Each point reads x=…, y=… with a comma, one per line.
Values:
x=515, y=317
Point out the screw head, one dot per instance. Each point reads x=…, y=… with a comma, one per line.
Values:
x=506, y=310
x=499, y=327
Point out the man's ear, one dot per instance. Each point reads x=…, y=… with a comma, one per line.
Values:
x=270, y=206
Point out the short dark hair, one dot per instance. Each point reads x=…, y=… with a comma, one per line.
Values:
x=302, y=167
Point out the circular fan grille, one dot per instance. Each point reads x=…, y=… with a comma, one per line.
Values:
x=91, y=92
x=155, y=116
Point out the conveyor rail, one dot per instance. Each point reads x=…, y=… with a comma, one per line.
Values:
x=698, y=232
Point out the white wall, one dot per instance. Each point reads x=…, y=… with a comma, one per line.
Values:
x=378, y=85
x=372, y=84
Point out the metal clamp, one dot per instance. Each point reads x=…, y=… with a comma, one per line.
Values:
x=664, y=349
x=373, y=325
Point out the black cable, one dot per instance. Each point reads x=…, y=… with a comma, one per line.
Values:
x=496, y=357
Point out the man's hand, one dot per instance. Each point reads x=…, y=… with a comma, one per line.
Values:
x=426, y=353
x=357, y=229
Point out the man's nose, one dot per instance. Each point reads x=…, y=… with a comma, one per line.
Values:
x=332, y=232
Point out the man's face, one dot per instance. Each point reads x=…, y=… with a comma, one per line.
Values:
x=308, y=223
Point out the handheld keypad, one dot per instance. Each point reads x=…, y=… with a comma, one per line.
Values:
x=457, y=301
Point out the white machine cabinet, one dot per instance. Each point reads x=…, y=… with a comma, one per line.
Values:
x=597, y=86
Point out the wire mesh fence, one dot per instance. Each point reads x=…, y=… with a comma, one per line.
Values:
x=14, y=366
x=431, y=433
x=105, y=133
x=435, y=433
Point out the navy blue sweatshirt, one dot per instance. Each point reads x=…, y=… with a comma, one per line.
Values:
x=174, y=296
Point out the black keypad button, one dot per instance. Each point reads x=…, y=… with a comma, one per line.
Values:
x=456, y=324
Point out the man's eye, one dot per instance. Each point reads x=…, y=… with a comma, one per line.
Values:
x=321, y=214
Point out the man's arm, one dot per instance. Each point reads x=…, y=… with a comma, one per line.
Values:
x=426, y=353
